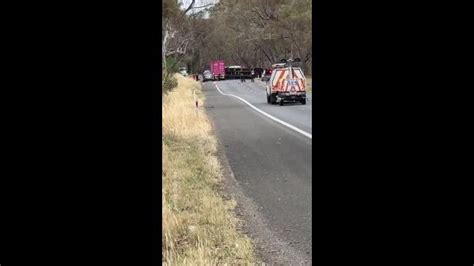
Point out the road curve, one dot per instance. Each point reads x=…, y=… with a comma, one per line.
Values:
x=271, y=164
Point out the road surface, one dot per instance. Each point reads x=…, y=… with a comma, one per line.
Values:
x=270, y=163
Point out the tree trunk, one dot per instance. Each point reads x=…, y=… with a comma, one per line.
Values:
x=163, y=52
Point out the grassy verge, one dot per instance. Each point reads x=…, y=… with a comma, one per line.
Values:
x=199, y=227
x=309, y=83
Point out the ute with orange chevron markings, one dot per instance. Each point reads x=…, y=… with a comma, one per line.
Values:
x=287, y=83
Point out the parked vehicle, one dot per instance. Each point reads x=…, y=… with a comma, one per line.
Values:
x=266, y=74
x=287, y=84
x=183, y=71
x=218, y=69
x=232, y=72
x=207, y=75
x=238, y=72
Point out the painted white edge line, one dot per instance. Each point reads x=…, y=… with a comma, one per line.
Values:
x=309, y=135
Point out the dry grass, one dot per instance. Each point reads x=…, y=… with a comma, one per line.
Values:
x=199, y=227
x=309, y=83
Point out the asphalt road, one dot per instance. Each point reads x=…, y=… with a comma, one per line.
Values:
x=270, y=162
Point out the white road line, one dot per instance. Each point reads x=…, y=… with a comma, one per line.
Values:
x=309, y=135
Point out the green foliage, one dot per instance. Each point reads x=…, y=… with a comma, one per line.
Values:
x=171, y=65
x=169, y=83
x=245, y=32
x=258, y=32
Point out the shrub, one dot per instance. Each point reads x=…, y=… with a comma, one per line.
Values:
x=169, y=83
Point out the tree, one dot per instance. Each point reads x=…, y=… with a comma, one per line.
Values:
x=180, y=33
x=254, y=33
x=258, y=33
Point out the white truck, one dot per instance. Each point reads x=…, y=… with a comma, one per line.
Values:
x=183, y=71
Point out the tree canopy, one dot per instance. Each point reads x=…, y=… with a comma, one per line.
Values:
x=253, y=33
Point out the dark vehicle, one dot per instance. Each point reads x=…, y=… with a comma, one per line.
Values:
x=238, y=72
x=258, y=72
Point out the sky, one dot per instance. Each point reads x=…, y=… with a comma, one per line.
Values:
x=198, y=3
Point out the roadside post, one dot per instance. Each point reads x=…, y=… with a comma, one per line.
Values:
x=195, y=99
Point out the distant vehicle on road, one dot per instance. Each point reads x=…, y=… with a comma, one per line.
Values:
x=238, y=72
x=218, y=69
x=232, y=72
x=183, y=71
x=287, y=83
x=258, y=72
x=266, y=74
x=207, y=75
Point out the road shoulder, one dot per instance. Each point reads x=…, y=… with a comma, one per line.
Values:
x=268, y=247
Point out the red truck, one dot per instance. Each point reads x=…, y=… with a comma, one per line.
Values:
x=218, y=69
